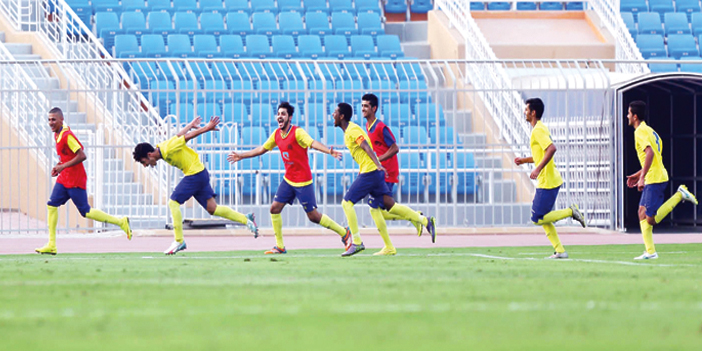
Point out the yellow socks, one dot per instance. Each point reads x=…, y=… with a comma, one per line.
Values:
x=408, y=214
x=390, y=217
x=647, y=233
x=352, y=220
x=552, y=236
x=668, y=207
x=177, y=220
x=277, y=221
x=53, y=222
x=555, y=216
x=329, y=223
x=228, y=213
x=377, y=215
x=100, y=216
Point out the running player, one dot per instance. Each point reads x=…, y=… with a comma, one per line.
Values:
x=386, y=148
x=652, y=179
x=370, y=181
x=548, y=178
x=71, y=182
x=293, y=143
x=195, y=183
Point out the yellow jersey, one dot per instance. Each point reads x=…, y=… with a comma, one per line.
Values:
x=177, y=154
x=354, y=136
x=539, y=141
x=645, y=136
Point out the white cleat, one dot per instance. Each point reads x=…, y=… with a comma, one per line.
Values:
x=251, y=224
x=647, y=256
x=175, y=247
x=686, y=194
x=557, y=255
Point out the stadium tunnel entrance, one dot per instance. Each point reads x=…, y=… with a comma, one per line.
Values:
x=674, y=103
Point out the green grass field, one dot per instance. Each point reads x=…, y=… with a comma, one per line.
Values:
x=460, y=299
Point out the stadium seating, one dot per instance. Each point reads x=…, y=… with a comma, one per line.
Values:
x=342, y=6
x=661, y=6
x=284, y=46
x=499, y=6
x=396, y=6
x=680, y=45
x=160, y=23
x=264, y=23
x=343, y=23
x=650, y=23
x=690, y=67
x=526, y=6
x=205, y=46
x=651, y=45
x=107, y=27
x=238, y=23
x=310, y=46
x=633, y=6
x=317, y=23
x=364, y=6
x=316, y=6
x=412, y=173
x=264, y=6
x=126, y=46
x=237, y=6
x=189, y=6
x=211, y=6
x=362, y=46
x=630, y=24
x=421, y=6
x=369, y=24
x=291, y=23
x=389, y=46
x=232, y=46
x=153, y=45
x=688, y=7
x=551, y=6
x=663, y=67
x=212, y=23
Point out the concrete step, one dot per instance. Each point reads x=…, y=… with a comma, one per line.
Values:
x=47, y=83
x=19, y=49
x=420, y=50
x=2, y=37
x=37, y=71
x=119, y=177
x=122, y=188
x=68, y=107
x=461, y=120
x=503, y=191
x=27, y=57
x=113, y=164
x=83, y=126
x=473, y=139
x=488, y=162
x=128, y=199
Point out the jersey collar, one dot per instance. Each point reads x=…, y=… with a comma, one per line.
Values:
x=60, y=134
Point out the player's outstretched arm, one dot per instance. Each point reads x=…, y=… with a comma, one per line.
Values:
x=327, y=150
x=522, y=160
x=211, y=125
x=235, y=157
x=364, y=145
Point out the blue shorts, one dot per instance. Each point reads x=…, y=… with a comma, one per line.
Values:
x=391, y=187
x=371, y=183
x=652, y=197
x=60, y=195
x=197, y=185
x=305, y=194
x=544, y=200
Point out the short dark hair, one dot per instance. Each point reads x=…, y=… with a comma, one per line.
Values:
x=346, y=110
x=141, y=151
x=286, y=105
x=372, y=99
x=57, y=111
x=638, y=108
x=535, y=104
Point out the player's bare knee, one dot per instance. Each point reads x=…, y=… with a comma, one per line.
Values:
x=642, y=213
x=276, y=208
x=651, y=220
x=388, y=202
x=314, y=216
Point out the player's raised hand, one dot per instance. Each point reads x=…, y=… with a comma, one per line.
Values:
x=234, y=157
x=212, y=124
x=632, y=180
x=196, y=122
x=336, y=154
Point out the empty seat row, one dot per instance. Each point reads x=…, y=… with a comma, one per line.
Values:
x=527, y=6
x=416, y=6
x=679, y=45
x=659, y=6
x=674, y=65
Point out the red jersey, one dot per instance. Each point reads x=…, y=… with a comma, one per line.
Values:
x=297, y=164
x=380, y=147
x=71, y=177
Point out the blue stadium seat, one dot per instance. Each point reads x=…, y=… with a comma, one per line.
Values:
x=341, y=6
x=443, y=184
x=343, y=23
x=246, y=178
x=410, y=70
x=185, y=6
x=680, y=45
x=317, y=23
x=232, y=46
x=499, y=6
x=444, y=136
x=690, y=67
x=421, y=6
x=417, y=94
x=364, y=6
x=235, y=112
x=696, y=24
x=162, y=94
x=389, y=46
x=294, y=92
x=160, y=23
x=477, y=6
x=257, y=46
x=107, y=27
x=336, y=46
x=134, y=23
x=414, y=136
x=651, y=45
x=290, y=6
x=205, y=46
x=105, y=6
x=663, y=67
x=397, y=115
x=349, y=90
x=362, y=46
x=152, y=45
x=143, y=72
x=241, y=89
x=262, y=114
x=212, y=23
x=317, y=115
x=650, y=23
x=264, y=6
x=179, y=46
x=133, y=5
x=316, y=6
x=264, y=23
x=335, y=183
x=211, y=6
x=186, y=23
x=383, y=71
x=550, y=6
x=310, y=46
x=318, y=86
x=185, y=111
x=126, y=46
x=429, y=114
x=396, y=6
x=465, y=180
x=284, y=46
x=238, y=23
x=273, y=169
x=253, y=136
x=355, y=71
x=82, y=9
x=412, y=172
x=369, y=24
x=208, y=109
x=160, y=6
x=526, y=6
x=628, y=19
x=237, y=6
x=633, y=6
x=214, y=90
x=333, y=136
x=575, y=6
x=687, y=7
x=291, y=23
x=384, y=90
x=676, y=23
x=661, y=6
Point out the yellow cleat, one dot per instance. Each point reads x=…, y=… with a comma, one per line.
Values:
x=48, y=249
x=126, y=227
x=418, y=225
x=386, y=252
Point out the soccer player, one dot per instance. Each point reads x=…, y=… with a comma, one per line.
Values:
x=195, y=183
x=549, y=180
x=293, y=143
x=370, y=181
x=652, y=179
x=386, y=149
x=71, y=182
